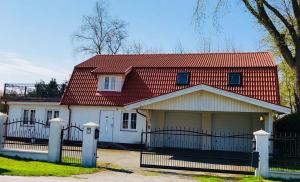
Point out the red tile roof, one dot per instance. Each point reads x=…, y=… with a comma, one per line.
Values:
x=155, y=74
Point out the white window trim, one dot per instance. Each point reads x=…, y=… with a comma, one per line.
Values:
x=110, y=78
x=52, y=114
x=29, y=111
x=129, y=122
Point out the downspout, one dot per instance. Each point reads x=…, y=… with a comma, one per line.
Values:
x=69, y=122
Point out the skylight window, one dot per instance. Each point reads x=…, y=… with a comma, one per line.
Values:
x=235, y=79
x=183, y=78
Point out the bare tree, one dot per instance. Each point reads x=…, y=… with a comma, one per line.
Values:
x=100, y=33
x=274, y=16
x=134, y=48
x=179, y=49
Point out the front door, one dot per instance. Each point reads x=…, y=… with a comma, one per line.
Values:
x=106, y=126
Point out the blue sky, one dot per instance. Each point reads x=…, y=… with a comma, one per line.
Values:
x=36, y=44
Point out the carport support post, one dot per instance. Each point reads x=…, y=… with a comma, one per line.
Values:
x=54, y=146
x=89, y=145
x=3, y=118
x=262, y=147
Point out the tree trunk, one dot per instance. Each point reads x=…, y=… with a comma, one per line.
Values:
x=297, y=90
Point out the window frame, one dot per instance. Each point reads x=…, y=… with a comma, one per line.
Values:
x=108, y=83
x=29, y=118
x=129, y=121
x=235, y=84
x=187, y=74
x=52, y=115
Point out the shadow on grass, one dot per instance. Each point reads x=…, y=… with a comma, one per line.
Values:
x=3, y=171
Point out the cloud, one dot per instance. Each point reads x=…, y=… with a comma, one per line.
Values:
x=16, y=69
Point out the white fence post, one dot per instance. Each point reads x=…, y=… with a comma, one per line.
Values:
x=54, y=146
x=3, y=118
x=89, y=145
x=262, y=147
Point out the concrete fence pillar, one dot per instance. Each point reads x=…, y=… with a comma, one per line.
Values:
x=262, y=147
x=3, y=118
x=89, y=145
x=54, y=146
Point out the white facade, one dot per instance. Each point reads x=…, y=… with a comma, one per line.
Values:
x=200, y=108
x=110, y=131
x=16, y=110
x=110, y=122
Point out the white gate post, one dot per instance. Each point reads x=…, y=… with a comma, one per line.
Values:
x=3, y=118
x=89, y=145
x=54, y=146
x=262, y=147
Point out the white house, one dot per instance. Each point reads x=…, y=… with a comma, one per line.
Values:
x=128, y=94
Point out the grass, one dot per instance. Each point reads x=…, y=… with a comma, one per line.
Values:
x=236, y=179
x=19, y=167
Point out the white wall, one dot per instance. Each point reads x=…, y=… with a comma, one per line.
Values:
x=15, y=113
x=16, y=110
x=204, y=101
x=84, y=114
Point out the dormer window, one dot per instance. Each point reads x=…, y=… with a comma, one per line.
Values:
x=235, y=79
x=110, y=83
x=183, y=78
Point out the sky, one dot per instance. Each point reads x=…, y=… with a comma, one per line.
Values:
x=36, y=35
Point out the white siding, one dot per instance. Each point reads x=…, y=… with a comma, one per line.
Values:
x=84, y=114
x=16, y=110
x=204, y=101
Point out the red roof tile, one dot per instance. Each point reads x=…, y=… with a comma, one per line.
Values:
x=154, y=75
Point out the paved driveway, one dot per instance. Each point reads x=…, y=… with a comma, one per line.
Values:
x=122, y=158
x=107, y=176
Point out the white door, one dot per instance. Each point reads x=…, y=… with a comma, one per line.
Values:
x=106, y=126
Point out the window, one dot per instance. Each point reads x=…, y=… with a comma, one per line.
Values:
x=50, y=115
x=132, y=117
x=125, y=120
x=109, y=83
x=28, y=116
x=183, y=78
x=113, y=83
x=133, y=121
x=106, y=83
x=235, y=79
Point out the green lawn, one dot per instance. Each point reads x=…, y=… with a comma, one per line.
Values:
x=18, y=167
x=236, y=179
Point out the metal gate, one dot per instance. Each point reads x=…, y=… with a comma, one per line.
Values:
x=71, y=144
x=26, y=135
x=193, y=150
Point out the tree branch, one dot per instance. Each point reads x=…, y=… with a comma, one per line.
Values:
x=265, y=20
x=288, y=25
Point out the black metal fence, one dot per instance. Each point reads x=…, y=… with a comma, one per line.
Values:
x=71, y=146
x=26, y=135
x=285, y=151
x=196, y=150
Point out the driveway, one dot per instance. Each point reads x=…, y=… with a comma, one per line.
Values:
x=122, y=158
x=106, y=176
